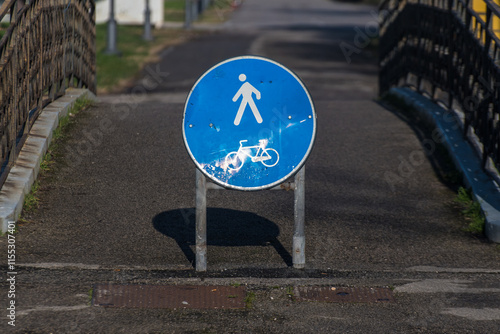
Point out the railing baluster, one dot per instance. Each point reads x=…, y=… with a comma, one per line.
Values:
x=461, y=52
x=36, y=62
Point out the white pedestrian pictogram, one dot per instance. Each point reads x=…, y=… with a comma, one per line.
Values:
x=246, y=92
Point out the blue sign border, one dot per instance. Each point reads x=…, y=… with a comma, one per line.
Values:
x=294, y=170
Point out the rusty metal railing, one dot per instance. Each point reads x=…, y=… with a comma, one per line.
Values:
x=450, y=53
x=49, y=45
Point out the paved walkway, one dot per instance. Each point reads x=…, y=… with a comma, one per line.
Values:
x=119, y=207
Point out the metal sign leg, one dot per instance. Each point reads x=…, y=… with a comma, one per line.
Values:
x=201, y=222
x=299, y=239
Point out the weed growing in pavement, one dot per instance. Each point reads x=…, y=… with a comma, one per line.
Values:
x=289, y=292
x=249, y=299
x=91, y=294
x=31, y=200
x=471, y=210
x=61, y=130
x=46, y=162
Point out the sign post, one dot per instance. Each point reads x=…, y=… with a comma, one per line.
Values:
x=249, y=124
x=201, y=222
x=299, y=237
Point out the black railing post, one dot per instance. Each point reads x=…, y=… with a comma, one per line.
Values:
x=451, y=52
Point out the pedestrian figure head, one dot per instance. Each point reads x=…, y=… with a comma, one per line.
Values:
x=242, y=77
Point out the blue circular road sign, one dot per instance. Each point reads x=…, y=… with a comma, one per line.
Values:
x=249, y=123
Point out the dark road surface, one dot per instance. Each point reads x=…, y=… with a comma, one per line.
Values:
x=119, y=207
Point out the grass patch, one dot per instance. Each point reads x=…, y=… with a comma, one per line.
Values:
x=471, y=210
x=174, y=4
x=3, y=28
x=174, y=10
x=112, y=69
x=218, y=11
x=116, y=72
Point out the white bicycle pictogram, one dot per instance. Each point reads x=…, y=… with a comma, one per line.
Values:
x=269, y=157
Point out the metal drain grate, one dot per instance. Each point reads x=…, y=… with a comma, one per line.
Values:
x=169, y=296
x=343, y=295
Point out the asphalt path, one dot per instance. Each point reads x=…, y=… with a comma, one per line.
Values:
x=119, y=206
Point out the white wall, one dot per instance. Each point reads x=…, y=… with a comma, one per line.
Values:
x=130, y=11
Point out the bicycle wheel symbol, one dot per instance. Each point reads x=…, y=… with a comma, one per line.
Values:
x=233, y=161
x=270, y=157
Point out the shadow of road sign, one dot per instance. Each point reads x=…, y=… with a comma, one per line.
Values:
x=225, y=227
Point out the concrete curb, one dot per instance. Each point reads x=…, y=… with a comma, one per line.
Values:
x=25, y=171
x=485, y=189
